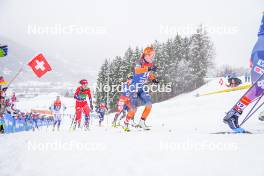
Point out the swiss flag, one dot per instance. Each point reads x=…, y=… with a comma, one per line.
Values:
x=39, y=65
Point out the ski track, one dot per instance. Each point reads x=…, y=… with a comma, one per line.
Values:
x=179, y=143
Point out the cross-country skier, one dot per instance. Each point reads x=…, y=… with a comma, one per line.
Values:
x=35, y=118
x=81, y=105
x=101, y=110
x=9, y=107
x=28, y=120
x=14, y=98
x=57, y=109
x=2, y=96
x=143, y=71
x=124, y=102
x=257, y=88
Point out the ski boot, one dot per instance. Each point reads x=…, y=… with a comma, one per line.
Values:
x=126, y=127
x=76, y=125
x=231, y=119
x=142, y=125
x=239, y=130
x=132, y=123
x=87, y=124
x=115, y=124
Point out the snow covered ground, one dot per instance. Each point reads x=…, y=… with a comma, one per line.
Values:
x=179, y=143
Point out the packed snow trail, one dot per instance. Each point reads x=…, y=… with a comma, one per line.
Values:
x=179, y=143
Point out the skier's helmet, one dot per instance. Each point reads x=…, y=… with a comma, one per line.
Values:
x=102, y=102
x=83, y=82
x=148, y=54
x=148, y=50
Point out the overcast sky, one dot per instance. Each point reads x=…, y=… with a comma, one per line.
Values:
x=113, y=25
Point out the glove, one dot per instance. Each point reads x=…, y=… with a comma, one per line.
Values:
x=238, y=110
x=155, y=81
x=91, y=106
x=91, y=103
x=77, y=97
x=154, y=68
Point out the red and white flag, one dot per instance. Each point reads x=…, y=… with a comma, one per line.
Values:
x=39, y=65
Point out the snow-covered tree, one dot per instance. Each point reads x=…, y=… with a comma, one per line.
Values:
x=201, y=56
x=183, y=62
x=102, y=79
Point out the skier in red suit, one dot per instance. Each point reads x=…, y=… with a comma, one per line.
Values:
x=80, y=95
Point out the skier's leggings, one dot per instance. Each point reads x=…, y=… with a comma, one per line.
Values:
x=57, y=121
x=101, y=116
x=145, y=98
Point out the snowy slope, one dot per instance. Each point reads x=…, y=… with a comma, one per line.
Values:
x=179, y=143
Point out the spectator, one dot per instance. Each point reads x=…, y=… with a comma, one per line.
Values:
x=14, y=98
x=247, y=77
x=233, y=82
x=2, y=95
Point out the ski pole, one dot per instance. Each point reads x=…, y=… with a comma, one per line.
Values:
x=72, y=122
x=251, y=114
x=262, y=76
x=91, y=118
x=248, y=114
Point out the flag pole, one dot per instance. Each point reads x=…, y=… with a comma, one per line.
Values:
x=108, y=82
x=13, y=79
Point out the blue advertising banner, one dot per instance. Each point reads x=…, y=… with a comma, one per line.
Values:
x=12, y=125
